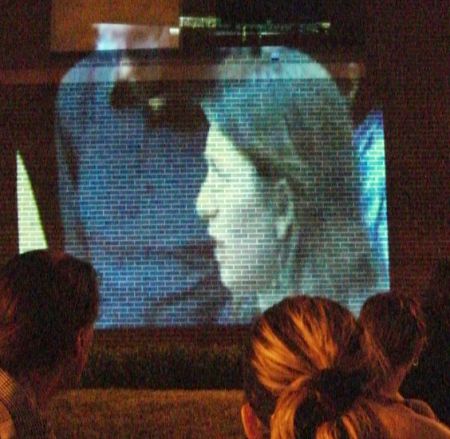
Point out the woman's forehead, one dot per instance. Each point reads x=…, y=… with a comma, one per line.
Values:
x=221, y=151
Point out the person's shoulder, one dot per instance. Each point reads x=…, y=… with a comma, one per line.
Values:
x=81, y=71
x=434, y=429
x=402, y=422
x=78, y=81
x=19, y=414
x=421, y=407
x=7, y=428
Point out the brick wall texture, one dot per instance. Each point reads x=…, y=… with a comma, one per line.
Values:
x=117, y=162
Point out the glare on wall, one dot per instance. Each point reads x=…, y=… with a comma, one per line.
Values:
x=31, y=234
x=72, y=22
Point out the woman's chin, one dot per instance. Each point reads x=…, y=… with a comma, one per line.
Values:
x=236, y=283
x=228, y=281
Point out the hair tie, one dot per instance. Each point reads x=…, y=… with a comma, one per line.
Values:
x=331, y=393
x=337, y=390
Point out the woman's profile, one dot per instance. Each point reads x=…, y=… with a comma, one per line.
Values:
x=282, y=189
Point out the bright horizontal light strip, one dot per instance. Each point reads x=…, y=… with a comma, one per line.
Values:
x=199, y=22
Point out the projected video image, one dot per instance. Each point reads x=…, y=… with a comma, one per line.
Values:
x=204, y=192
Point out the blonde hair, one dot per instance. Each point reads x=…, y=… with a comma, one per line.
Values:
x=306, y=372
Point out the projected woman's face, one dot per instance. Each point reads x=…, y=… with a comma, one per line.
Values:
x=235, y=202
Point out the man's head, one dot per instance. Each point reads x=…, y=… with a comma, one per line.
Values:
x=48, y=304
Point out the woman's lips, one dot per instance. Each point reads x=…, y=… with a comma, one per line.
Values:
x=218, y=248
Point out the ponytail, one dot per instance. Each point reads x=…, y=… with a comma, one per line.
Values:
x=304, y=408
x=307, y=374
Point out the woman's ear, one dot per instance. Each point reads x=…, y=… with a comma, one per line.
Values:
x=283, y=199
x=252, y=425
x=82, y=346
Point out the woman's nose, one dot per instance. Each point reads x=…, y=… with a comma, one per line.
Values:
x=206, y=204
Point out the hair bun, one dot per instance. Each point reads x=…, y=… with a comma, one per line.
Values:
x=337, y=390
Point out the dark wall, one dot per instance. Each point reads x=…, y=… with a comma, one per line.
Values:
x=406, y=42
x=25, y=33
x=407, y=63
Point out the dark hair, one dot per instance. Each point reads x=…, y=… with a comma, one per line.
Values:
x=396, y=324
x=306, y=370
x=45, y=299
x=290, y=120
x=435, y=300
x=430, y=380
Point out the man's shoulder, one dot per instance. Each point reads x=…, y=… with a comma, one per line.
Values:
x=7, y=428
x=19, y=413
